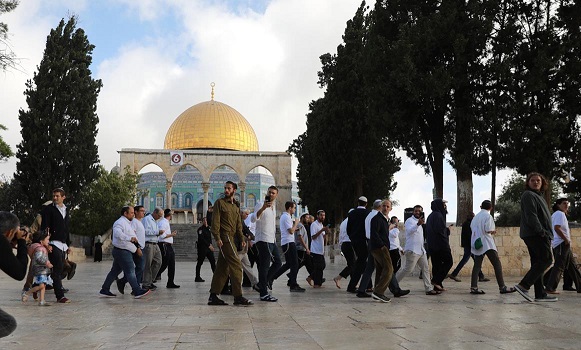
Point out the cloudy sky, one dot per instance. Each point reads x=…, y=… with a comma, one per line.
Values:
x=157, y=58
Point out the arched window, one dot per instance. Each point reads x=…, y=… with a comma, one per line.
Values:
x=174, y=200
x=250, y=201
x=188, y=200
x=159, y=200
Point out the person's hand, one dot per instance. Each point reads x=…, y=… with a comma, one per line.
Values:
x=161, y=232
x=219, y=243
x=243, y=244
x=211, y=248
x=133, y=240
x=49, y=248
x=49, y=265
x=422, y=221
x=567, y=242
x=139, y=252
x=308, y=251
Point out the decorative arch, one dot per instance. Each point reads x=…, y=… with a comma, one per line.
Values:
x=278, y=163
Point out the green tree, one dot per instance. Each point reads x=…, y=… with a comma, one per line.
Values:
x=59, y=128
x=7, y=57
x=508, y=202
x=341, y=155
x=102, y=201
x=5, y=151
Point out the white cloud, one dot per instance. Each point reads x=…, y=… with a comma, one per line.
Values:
x=264, y=65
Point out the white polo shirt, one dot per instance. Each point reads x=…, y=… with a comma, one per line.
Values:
x=286, y=223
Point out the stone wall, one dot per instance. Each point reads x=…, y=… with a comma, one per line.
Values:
x=511, y=249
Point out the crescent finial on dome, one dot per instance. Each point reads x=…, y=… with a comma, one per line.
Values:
x=212, y=84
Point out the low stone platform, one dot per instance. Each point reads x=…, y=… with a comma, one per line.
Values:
x=327, y=318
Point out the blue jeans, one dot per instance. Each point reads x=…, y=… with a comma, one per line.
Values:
x=139, y=266
x=465, y=257
x=122, y=262
x=266, y=271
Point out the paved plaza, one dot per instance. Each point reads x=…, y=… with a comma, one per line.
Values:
x=327, y=318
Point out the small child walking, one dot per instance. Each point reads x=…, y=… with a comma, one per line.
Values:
x=41, y=266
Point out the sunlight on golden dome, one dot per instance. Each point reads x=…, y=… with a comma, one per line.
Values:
x=211, y=125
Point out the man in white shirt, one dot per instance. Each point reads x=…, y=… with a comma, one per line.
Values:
x=414, y=250
x=288, y=226
x=151, y=252
x=561, y=245
x=166, y=246
x=318, y=232
x=265, y=219
x=138, y=255
x=346, y=250
x=483, y=228
x=124, y=240
x=365, y=282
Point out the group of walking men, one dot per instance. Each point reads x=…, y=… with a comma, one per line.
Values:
x=142, y=250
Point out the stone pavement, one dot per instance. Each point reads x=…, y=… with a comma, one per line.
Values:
x=327, y=318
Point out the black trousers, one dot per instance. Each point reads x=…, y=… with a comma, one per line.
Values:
x=442, y=262
x=318, y=268
x=349, y=254
x=306, y=261
x=57, y=259
x=168, y=261
x=204, y=254
x=360, y=248
x=564, y=263
x=395, y=259
x=540, y=254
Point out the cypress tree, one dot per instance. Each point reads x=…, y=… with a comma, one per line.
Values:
x=60, y=125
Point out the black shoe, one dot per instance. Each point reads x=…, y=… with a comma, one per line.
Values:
x=72, y=271
x=571, y=289
x=352, y=291
x=242, y=301
x=120, y=286
x=297, y=288
x=65, y=290
x=172, y=286
x=199, y=279
x=214, y=300
x=363, y=295
x=246, y=285
x=484, y=279
x=401, y=293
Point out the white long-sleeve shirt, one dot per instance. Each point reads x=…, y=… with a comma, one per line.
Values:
x=414, y=236
x=123, y=231
x=151, y=229
x=368, y=218
x=394, y=239
x=265, y=224
x=343, y=237
x=163, y=224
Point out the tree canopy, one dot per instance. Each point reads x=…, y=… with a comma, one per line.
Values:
x=7, y=56
x=342, y=155
x=60, y=125
x=102, y=201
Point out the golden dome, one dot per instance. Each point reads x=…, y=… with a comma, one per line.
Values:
x=211, y=125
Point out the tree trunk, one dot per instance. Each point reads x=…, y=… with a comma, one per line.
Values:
x=465, y=201
x=438, y=175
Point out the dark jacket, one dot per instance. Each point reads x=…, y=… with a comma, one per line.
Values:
x=204, y=237
x=438, y=234
x=14, y=266
x=378, y=232
x=59, y=226
x=466, y=234
x=356, y=225
x=535, y=218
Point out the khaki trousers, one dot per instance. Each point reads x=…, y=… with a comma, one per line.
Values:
x=228, y=265
x=383, y=269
